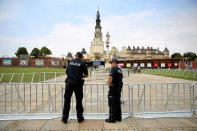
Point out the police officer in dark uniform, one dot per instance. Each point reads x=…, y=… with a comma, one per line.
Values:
x=76, y=71
x=115, y=86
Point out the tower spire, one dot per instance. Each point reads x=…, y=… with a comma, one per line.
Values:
x=98, y=20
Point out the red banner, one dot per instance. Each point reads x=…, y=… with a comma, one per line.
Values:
x=169, y=64
x=175, y=64
x=156, y=64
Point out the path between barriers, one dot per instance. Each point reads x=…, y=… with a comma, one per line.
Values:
x=131, y=123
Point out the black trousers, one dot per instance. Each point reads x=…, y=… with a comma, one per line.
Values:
x=77, y=87
x=114, y=103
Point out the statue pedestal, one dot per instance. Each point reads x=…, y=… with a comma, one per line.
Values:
x=107, y=64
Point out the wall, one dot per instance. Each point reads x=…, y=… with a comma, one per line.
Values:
x=194, y=65
x=153, y=62
x=31, y=62
x=188, y=65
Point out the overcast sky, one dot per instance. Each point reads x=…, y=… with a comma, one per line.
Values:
x=68, y=25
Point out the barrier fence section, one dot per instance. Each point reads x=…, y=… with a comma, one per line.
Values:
x=97, y=75
x=24, y=98
x=172, y=72
x=38, y=98
x=31, y=98
x=46, y=77
x=32, y=77
x=194, y=98
x=163, y=97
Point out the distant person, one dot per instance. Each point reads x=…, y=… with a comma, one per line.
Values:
x=134, y=69
x=128, y=70
x=115, y=86
x=76, y=71
x=91, y=70
x=138, y=69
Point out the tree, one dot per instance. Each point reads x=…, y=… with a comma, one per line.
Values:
x=21, y=51
x=35, y=52
x=45, y=51
x=83, y=51
x=69, y=55
x=176, y=55
x=190, y=54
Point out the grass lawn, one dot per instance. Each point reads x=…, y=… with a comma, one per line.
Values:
x=29, y=74
x=28, y=70
x=187, y=75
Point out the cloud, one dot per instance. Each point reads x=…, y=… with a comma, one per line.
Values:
x=66, y=37
x=9, y=45
x=145, y=28
x=153, y=27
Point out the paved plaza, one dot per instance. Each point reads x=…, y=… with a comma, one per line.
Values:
x=100, y=104
x=129, y=124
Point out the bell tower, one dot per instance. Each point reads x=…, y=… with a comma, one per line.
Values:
x=97, y=46
x=98, y=27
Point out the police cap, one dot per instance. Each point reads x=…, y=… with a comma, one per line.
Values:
x=79, y=54
x=114, y=61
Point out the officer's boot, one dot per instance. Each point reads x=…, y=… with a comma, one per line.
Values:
x=80, y=118
x=64, y=116
x=64, y=119
x=111, y=118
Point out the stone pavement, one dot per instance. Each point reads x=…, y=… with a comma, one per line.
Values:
x=130, y=124
x=101, y=77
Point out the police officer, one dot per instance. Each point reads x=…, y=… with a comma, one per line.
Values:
x=76, y=71
x=115, y=86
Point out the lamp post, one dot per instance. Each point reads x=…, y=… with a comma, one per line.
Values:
x=107, y=44
x=107, y=64
x=63, y=61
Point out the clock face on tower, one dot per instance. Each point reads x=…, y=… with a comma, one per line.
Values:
x=97, y=35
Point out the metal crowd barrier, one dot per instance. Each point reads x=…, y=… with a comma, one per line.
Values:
x=32, y=77
x=103, y=74
x=30, y=98
x=162, y=97
x=48, y=77
x=172, y=72
x=97, y=75
x=48, y=98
